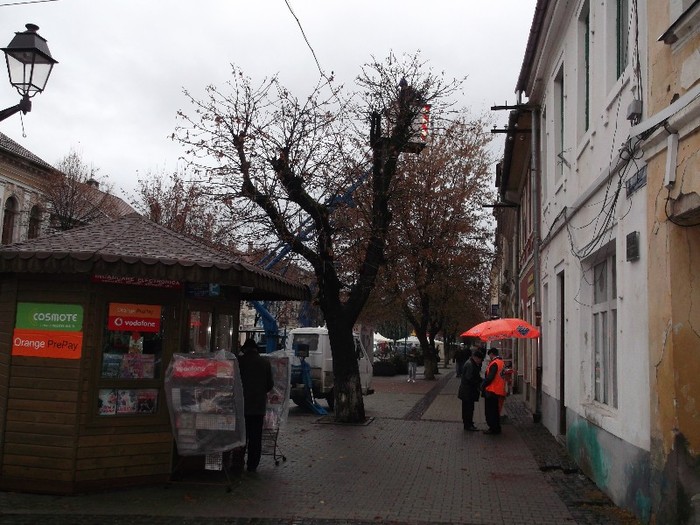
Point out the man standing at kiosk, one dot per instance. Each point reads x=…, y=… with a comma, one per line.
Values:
x=256, y=376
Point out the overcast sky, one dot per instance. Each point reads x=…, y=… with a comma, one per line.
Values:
x=123, y=64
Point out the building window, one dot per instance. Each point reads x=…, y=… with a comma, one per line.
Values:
x=544, y=166
x=585, y=67
x=622, y=35
x=34, y=222
x=605, y=331
x=8, y=220
x=559, y=123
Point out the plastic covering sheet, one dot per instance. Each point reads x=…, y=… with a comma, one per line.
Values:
x=205, y=401
x=278, y=398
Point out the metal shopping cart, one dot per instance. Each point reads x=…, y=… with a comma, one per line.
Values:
x=269, y=445
x=277, y=405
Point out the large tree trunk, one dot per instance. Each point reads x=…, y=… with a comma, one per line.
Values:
x=430, y=366
x=349, y=405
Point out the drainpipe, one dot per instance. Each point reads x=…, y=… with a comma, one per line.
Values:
x=534, y=183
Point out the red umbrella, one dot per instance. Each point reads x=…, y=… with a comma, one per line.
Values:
x=504, y=328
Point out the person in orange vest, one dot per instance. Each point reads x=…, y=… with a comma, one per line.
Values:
x=493, y=388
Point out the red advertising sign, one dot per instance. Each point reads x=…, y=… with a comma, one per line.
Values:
x=134, y=317
x=137, y=281
x=202, y=368
x=45, y=343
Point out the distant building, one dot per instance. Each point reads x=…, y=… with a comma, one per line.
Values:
x=26, y=213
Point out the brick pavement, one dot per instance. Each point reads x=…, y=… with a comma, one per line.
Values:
x=412, y=464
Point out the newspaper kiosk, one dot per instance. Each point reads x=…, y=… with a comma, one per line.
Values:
x=205, y=400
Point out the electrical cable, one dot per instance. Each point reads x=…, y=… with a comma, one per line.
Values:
x=27, y=2
x=313, y=53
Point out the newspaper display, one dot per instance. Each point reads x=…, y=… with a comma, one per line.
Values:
x=205, y=401
x=278, y=398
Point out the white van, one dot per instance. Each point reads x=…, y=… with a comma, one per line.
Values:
x=320, y=360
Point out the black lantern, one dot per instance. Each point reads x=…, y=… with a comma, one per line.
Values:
x=29, y=64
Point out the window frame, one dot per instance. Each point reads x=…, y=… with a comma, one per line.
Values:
x=34, y=227
x=215, y=310
x=584, y=79
x=9, y=219
x=559, y=118
x=622, y=32
x=604, y=355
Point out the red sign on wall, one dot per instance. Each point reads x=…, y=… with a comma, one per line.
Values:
x=46, y=343
x=134, y=317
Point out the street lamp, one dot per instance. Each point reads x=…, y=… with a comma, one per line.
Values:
x=29, y=64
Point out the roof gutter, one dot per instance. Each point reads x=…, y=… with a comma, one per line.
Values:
x=532, y=45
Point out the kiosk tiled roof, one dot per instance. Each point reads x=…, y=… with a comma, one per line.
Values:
x=135, y=247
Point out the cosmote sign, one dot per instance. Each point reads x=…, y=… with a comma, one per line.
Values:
x=48, y=330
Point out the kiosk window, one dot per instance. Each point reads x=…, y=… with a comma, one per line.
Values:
x=132, y=354
x=132, y=342
x=210, y=331
x=200, y=331
x=223, y=338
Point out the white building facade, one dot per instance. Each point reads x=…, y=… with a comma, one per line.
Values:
x=582, y=197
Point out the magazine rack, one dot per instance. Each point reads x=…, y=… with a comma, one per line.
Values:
x=205, y=401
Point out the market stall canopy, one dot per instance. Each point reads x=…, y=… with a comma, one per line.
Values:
x=133, y=247
x=504, y=328
x=379, y=338
x=411, y=340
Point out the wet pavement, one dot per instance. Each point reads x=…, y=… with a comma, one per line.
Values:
x=411, y=463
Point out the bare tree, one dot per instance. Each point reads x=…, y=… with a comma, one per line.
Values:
x=75, y=194
x=183, y=205
x=283, y=166
x=438, y=253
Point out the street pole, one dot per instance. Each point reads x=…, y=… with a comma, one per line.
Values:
x=537, y=416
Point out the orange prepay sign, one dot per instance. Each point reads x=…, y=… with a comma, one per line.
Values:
x=134, y=317
x=45, y=343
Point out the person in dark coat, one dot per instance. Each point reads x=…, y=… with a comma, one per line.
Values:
x=460, y=359
x=256, y=376
x=470, y=387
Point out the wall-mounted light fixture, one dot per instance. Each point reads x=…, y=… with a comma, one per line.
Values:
x=29, y=65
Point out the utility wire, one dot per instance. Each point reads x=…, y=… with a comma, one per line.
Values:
x=318, y=65
x=28, y=2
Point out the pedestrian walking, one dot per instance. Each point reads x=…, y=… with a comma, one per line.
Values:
x=493, y=389
x=412, y=364
x=256, y=376
x=461, y=356
x=469, y=388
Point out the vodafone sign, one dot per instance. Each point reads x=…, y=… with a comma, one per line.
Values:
x=134, y=317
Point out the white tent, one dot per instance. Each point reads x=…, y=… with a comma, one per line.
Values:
x=409, y=341
x=379, y=338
